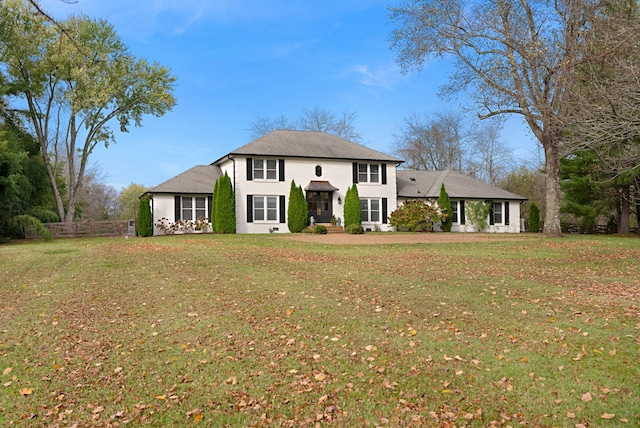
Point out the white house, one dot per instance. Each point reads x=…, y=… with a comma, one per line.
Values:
x=325, y=166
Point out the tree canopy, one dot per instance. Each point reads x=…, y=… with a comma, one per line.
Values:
x=315, y=119
x=520, y=57
x=71, y=80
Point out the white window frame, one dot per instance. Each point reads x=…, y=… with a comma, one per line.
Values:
x=261, y=214
x=269, y=169
x=369, y=210
x=369, y=173
x=193, y=209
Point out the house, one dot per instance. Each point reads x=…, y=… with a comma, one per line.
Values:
x=325, y=166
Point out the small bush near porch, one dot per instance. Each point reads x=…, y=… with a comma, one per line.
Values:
x=253, y=330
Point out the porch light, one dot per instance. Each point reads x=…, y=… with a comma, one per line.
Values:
x=339, y=201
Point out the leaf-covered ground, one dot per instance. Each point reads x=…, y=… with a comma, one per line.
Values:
x=267, y=331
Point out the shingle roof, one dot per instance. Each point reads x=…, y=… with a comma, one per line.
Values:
x=199, y=179
x=309, y=144
x=426, y=184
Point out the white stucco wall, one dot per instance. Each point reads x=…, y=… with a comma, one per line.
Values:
x=338, y=173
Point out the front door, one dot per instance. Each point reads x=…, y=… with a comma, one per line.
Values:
x=319, y=204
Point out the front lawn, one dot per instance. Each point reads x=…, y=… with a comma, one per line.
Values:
x=242, y=330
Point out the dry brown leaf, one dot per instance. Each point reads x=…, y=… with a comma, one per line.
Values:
x=26, y=391
x=608, y=416
x=586, y=397
x=7, y=371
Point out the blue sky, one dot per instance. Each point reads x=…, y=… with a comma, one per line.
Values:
x=237, y=60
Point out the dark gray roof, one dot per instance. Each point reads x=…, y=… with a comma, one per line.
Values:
x=426, y=184
x=199, y=179
x=309, y=144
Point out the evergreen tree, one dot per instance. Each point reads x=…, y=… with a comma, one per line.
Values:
x=445, y=208
x=534, y=218
x=212, y=220
x=225, y=206
x=145, y=220
x=352, y=210
x=297, y=212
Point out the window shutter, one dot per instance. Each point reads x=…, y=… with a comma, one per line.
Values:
x=506, y=213
x=462, y=213
x=384, y=173
x=282, y=209
x=384, y=210
x=209, y=204
x=249, y=169
x=178, y=208
x=249, y=208
x=281, y=169
x=355, y=172
x=491, y=220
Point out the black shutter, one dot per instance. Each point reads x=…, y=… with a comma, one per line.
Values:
x=178, y=208
x=282, y=210
x=384, y=173
x=461, y=211
x=491, y=220
x=249, y=169
x=506, y=213
x=355, y=172
x=249, y=208
x=209, y=204
x=384, y=210
x=281, y=169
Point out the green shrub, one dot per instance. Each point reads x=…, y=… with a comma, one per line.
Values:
x=534, y=218
x=477, y=214
x=27, y=223
x=444, y=203
x=352, y=210
x=414, y=216
x=320, y=229
x=297, y=211
x=145, y=221
x=354, y=229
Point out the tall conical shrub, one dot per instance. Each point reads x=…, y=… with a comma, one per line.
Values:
x=297, y=212
x=145, y=220
x=352, y=215
x=534, y=218
x=225, y=206
x=445, y=208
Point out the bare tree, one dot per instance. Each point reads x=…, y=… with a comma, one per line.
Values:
x=491, y=159
x=433, y=142
x=314, y=119
x=518, y=57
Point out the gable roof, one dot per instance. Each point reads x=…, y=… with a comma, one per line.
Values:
x=309, y=144
x=199, y=179
x=426, y=184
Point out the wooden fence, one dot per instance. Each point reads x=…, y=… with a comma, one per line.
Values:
x=92, y=228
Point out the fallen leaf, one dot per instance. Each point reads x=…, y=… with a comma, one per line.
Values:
x=320, y=376
x=586, y=397
x=97, y=410
x=7, y=371
x=197, y=417
x=608, y=416
x=26, y=391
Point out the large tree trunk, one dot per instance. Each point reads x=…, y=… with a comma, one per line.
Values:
x=552, y=206
x=625, y=210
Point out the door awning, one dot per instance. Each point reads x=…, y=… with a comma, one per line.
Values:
x=320, y=186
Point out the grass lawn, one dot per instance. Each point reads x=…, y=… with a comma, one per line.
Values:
x=242, y=330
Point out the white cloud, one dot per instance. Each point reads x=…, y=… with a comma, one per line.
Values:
x=381, y=77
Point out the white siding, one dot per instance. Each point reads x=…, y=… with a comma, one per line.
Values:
x=303, y=171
